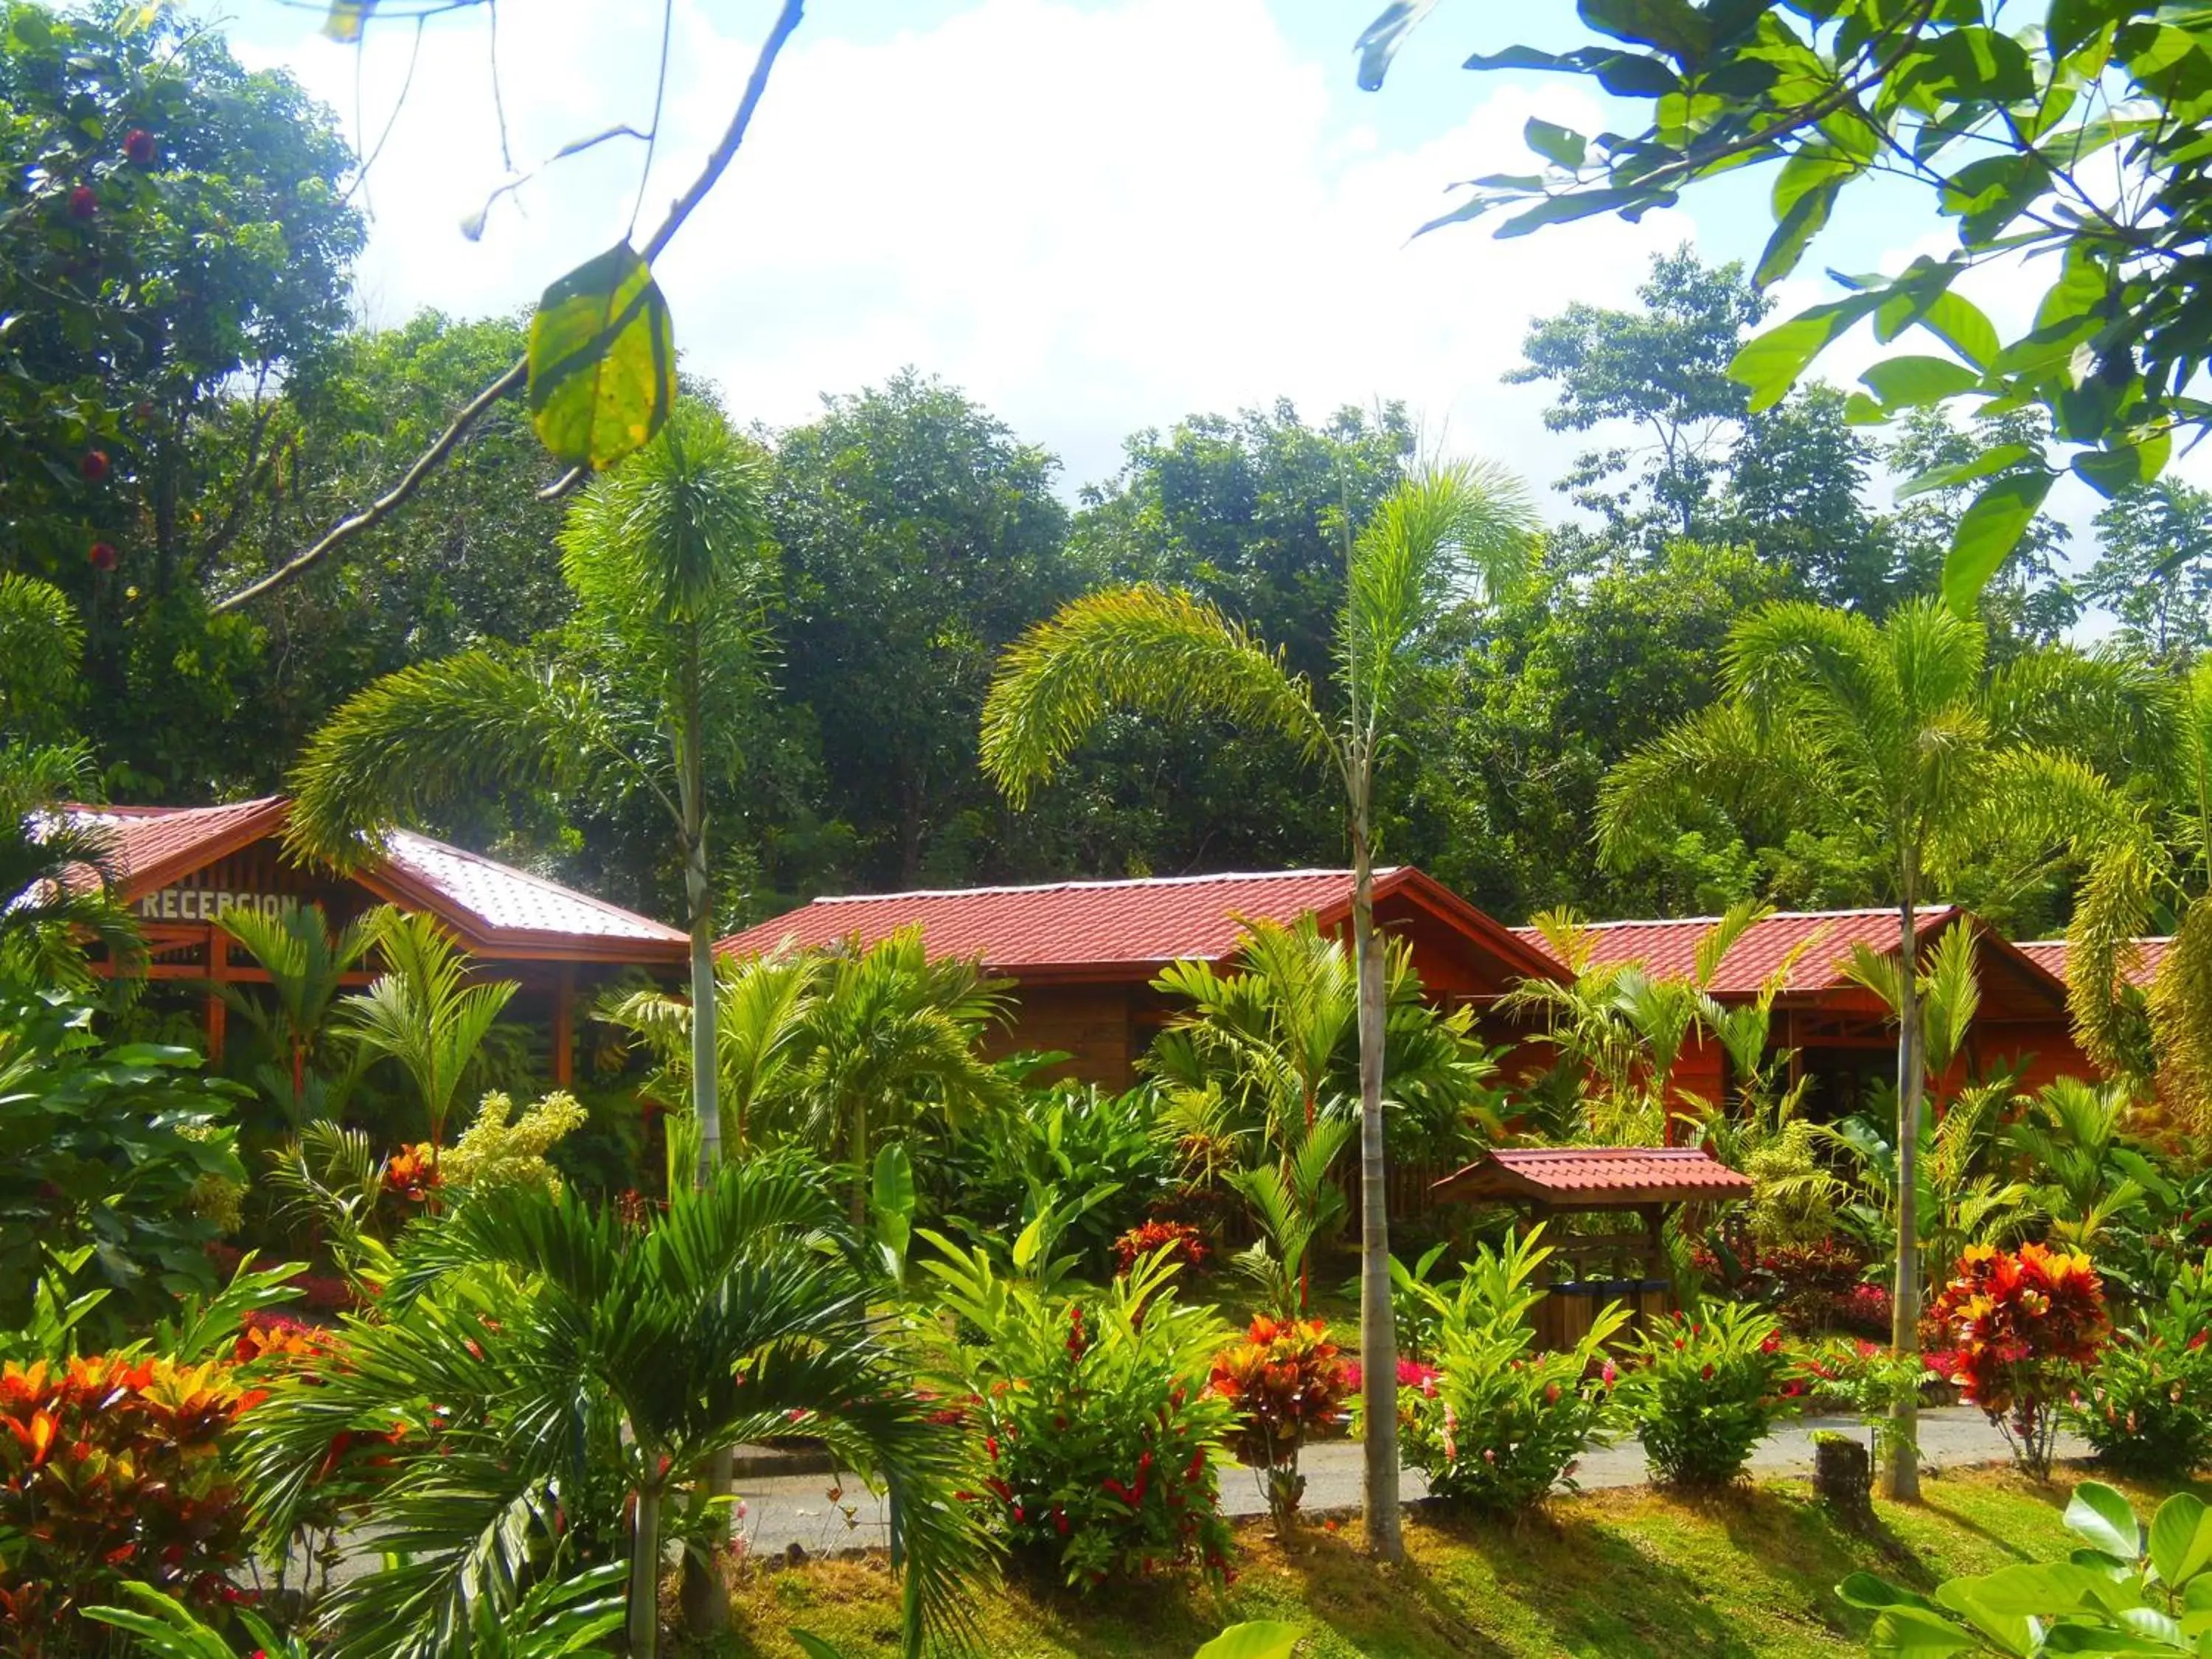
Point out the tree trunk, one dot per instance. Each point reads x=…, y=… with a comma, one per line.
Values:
x=1378, y=1353
x=1902, y=1478
x=645, y=1578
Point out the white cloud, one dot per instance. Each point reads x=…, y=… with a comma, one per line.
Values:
x=1094, y=220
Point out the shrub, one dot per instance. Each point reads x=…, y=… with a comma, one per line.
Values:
x=125, y=1148
x=1706, y=1390
x=2023, y=1324
x=494, y=1152
x=1496, y=1426
x=1184, y=1243
x=1287, y=1384
x=111, y=1470
x=1094, y=1434
x=2146, y=1404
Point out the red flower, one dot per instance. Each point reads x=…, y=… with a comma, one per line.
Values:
x=138, y=147
x=102, y=556
x=93, y=465
x=83, y=202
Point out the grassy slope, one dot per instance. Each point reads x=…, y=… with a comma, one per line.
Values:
x=1744, y=1575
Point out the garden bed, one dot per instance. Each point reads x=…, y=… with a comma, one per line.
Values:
x=1607, y=1574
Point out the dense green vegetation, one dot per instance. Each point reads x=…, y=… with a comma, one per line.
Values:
x=364, y=1341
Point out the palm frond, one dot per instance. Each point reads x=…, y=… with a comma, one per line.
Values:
x=1151, y=651
x=435, y=734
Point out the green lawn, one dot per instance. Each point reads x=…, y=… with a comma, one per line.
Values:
x=1623, y=1573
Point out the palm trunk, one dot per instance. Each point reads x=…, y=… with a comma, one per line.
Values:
x=645, y=1577
x=691, y=788
x=1903, y=1476
x=1378, y=1354
x=857, y=1145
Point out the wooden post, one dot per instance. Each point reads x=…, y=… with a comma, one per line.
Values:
x=564, y=1025
x=218, y=1012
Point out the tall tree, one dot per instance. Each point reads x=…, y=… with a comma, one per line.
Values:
x=1162, y=652
x=1797, y=475
x=2154, y=570
x=174, y=244
x=647, y=695
x=1899, y=726
x=919, y=537
x=1663, y=369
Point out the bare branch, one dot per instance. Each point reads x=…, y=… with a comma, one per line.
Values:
x=718, y=162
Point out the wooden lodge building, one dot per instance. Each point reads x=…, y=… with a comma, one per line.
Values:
x=1081, y=955
x=1840, y=1030
x=181, y=869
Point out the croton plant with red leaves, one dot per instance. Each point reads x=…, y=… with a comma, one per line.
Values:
x=114, y=1469
x=2023, y=1324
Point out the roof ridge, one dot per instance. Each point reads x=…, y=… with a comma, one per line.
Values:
x=1084, y=885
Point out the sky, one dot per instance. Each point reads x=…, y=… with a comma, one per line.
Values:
x=1095, y=217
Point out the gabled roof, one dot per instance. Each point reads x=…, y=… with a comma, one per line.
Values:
x=494, y=909
x=1595, y=1177
x=1118, y=929
x=2051, y=955
x=1668, y=949
x=1824, y=939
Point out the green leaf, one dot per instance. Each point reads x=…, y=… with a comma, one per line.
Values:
x=2111, y=471
x=1987, y=534
x=1962, y=325
x=1910, y=1633
x=1998, y=458
x=2039, y=1586
x=1380, y=40
x=1910, y=382
x=813, y=1646
x=1864, y=1589
x=1579, y=205
x=1257, y=1638
x=1804, y=192
x=2180, y=1539
x=602, y=360
x=1770, y=363
x=2101, y=1514
x=1555, y=143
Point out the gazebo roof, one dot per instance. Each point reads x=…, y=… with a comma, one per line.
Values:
x=1595, y=1177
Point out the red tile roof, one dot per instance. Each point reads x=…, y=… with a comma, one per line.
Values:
x=1668, y=949
x=497, y=911
x=2049, y=955
x=1114, y=928
x=1596, y=1176
x=1102, y=923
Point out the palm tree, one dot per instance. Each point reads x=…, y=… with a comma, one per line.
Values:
x=421, y=1010
x=558, y=1375
x=836, y=1047
x=1900, y=729
x=307, y=965
x=1435, y=539
x=58, y=871
x=666, y=556
x=2150, y=871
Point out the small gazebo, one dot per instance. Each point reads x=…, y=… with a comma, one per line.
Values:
x=1627, y=1265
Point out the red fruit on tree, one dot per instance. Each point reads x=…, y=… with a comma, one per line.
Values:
x=94, y=465
x=138, y=147
x=144, y=412
x=103, y=556
x=83, y=202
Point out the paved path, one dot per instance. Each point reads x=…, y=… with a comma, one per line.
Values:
x=820, y=1513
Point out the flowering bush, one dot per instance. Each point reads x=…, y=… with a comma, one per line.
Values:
x=2025, y=1323
x=1094, y=1432
x=2146, y=1404
x=1185, y=1245
x=1495, y=1425
x=1707, y=1390
x=494, y=1152
x=1287, y=1384
x=111, y=1470
x=1814, y=1286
